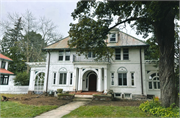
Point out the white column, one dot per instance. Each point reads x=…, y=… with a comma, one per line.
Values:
x=6, y=66
x=80, y=80
x=105, y=80
x=99, y=79
x=74, y=79
x=67, y=79
x=32, y=80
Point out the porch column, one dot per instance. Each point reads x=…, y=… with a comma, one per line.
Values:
x=75, y=80
x=99, y=80
x=80, y=80
x=105, y=80
x=31, y=80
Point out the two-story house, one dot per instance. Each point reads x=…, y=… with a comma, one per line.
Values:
x=128, y=74
x=4, y=70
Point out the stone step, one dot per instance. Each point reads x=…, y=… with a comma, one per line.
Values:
x=82, y=99
x=84, y=96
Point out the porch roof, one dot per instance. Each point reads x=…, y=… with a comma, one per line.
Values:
x=4, y=71
x=5, y=58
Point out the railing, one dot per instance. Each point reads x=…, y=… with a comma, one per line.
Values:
x=84, y=59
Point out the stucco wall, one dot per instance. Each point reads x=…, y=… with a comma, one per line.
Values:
x=10, y=88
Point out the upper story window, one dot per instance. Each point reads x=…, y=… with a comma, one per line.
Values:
x=112, y=37
x=122, y=54
x=3, y=64
x=67, y=58
x=61, y=55
x=91, y=55
x=125, y=54
x=118, y=54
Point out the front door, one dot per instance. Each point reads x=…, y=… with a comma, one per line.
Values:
x=92, y=82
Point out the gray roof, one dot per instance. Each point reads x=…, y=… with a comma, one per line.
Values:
x=124, y=40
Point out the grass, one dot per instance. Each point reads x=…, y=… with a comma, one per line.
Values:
x=107, y=111
x=16, y=109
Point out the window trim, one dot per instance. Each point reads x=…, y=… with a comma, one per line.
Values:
x=3, y=64
x=3, y=78
x=63, y=78
x=111, y=37
x=67, y=54
x=61, y=54
x=122, y=78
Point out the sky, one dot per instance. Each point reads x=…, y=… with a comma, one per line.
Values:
x=58, y=11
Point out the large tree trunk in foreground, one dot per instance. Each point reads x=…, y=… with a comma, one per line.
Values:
x=164, y=32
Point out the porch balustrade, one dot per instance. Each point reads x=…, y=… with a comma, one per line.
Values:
x=84, y=59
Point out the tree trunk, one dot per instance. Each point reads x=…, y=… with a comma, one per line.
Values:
x=164, y=32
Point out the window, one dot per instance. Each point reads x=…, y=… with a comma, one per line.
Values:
x=154, y=82
x=4, y=79
x=3, y=64
x=122, y=79
x=62, y=78
x=127, y=95
x=132, y=79
x=61, y=55
x=67, y=55
x=91, y=55
x=54, y=80
x=112, y=37
x=71, y=76
x=125, y=54
x=112, y=78
x=118, y=95
x=118, y=54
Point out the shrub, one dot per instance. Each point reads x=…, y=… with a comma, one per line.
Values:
x=154, y=107
x=22, y=79
x=59, y=90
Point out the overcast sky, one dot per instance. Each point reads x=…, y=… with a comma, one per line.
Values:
x=59, y=11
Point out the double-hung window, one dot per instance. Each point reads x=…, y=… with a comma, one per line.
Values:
x=118, y=54
x=71, y=76
x=67, y=55
x=3, y=64
x=112, y=78
x=112, y=37
x=132, y=79
x=125, y=54
x=91, y=55
x=62, y=78
x=54, y=79
x=122, y=79
x=4, y=79
x=61, y=55
x=154, y=82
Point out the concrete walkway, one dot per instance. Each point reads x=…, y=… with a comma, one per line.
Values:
x=62, y=110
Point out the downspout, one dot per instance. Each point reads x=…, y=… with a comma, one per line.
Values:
x=141, y=72
x=47, y=73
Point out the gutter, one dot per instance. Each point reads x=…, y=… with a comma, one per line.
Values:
x=47, y=73
x=141, y=72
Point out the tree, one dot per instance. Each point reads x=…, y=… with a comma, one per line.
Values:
x=95, y=22
x=11, y=47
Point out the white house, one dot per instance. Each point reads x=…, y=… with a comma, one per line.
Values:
x=6, y=78
x=128, y=74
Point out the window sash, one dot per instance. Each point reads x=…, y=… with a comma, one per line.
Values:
x=118, y=54
x=54, y=81
x=125, y=53
x=3, y=64
x=122, y=79
x=62, y=78
x=112, y=78
x=71, y=75
x=113, y=37
x=4, y=79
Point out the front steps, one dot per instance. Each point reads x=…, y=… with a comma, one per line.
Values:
x=83, y=98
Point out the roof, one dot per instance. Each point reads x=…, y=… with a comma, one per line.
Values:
x=5, y=58
x=124, y=40
x=4, y=71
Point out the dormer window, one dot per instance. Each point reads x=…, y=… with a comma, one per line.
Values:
x=113, y=37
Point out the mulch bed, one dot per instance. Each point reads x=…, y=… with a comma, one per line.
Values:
x=39, y=100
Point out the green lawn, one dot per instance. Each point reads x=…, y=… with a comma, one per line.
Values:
x=107, y=111
x=14, y=109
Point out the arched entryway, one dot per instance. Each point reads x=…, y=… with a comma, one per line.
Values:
x=92, y=82
x=39, y=82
